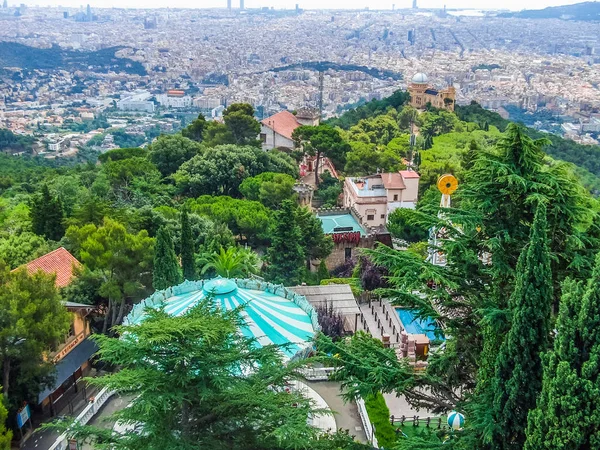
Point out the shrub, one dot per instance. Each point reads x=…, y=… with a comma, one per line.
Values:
x=379, y=415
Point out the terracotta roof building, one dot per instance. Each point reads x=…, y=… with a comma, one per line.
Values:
x=59, y=262
x=72, y=356
x=276, y=131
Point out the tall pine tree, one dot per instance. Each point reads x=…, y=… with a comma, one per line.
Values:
x=518, y=374
x=187, y=246
x=567, y=414
x=166, y=267
x=285, y=256
x=47, y=216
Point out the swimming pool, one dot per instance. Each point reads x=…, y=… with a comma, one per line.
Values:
x=413, y=325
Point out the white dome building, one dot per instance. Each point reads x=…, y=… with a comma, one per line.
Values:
x=423, y=94
x=420, y=78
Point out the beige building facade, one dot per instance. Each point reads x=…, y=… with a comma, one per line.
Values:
x=375, y=197
x=422, y=93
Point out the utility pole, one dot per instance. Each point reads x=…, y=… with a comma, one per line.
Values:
x=412, y=143
x=321, y=75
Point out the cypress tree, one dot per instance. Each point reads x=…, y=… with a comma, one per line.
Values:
x=285, y=256
x=47, y=216
x=166, y=267
x=567, y=414
x=187, y=247
x=518, y=374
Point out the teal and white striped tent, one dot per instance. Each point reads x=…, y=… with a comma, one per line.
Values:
x=272, y=314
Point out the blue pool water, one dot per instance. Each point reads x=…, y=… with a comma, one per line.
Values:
x=413, y=325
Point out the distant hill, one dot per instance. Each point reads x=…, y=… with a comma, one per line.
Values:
x=13, y=54
x=588, y=11
x=322, y=66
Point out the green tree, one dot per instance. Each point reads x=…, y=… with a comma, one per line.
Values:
x=249, y=221
x=166, y=267
x=187, y=246
x=47, y=216
x=119, y=154
x=269, y=188
x=18, y=249
x=194, y=362
x=322, y=272
x=169, y=152
x=379, y=130
x=195, y=130
x=367, y=159
x=244, y=128
x=5, y=434
x=127, y=176
x=330, y=189
x=405, y=224
x=235, y=262
x=217, y=133
x=222, y=170
x=315, y=244
x=320, y=141
x=33, y=320
x=407, y=116
x=566, y=414
x=518, y=377
x=92, y=209
x=124, y=261
x=285, y=255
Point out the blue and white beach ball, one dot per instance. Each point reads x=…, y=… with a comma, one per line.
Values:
x=456, y=420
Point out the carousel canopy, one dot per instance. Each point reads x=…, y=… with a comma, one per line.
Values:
x=272, y=314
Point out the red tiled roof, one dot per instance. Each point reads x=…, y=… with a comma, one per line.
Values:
x=60, y=262
x=409, y=174
x=392, y=180
x=283, y=123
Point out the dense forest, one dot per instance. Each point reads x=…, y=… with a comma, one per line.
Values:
x=13, y=54
x=521, y=241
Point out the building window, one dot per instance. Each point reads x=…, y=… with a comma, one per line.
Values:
x=383, y=216
x=370, y=217
x=348, y=253
x=263, y=137
x=395, y=197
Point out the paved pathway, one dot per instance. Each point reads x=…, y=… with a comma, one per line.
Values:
x=346, y=414
x=101, y=419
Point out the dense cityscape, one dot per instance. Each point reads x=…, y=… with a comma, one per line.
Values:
x=216, y=57
x=259, y=228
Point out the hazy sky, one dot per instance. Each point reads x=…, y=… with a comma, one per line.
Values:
x=307, y=4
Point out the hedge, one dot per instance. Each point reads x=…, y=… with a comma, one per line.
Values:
x=379, y=415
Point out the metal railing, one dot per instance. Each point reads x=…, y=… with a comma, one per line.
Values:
x=84, y=417
x=368, y=427
x=317, y=373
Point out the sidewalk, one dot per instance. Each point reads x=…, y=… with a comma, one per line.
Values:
x=43, y=439
x=345, y=414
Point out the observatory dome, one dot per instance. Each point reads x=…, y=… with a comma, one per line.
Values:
x=420, y=78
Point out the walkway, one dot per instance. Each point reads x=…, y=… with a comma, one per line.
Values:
x=102, y=418
x=346, y=414
x=381, y=318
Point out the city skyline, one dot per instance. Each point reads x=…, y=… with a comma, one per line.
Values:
x=304, y=4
